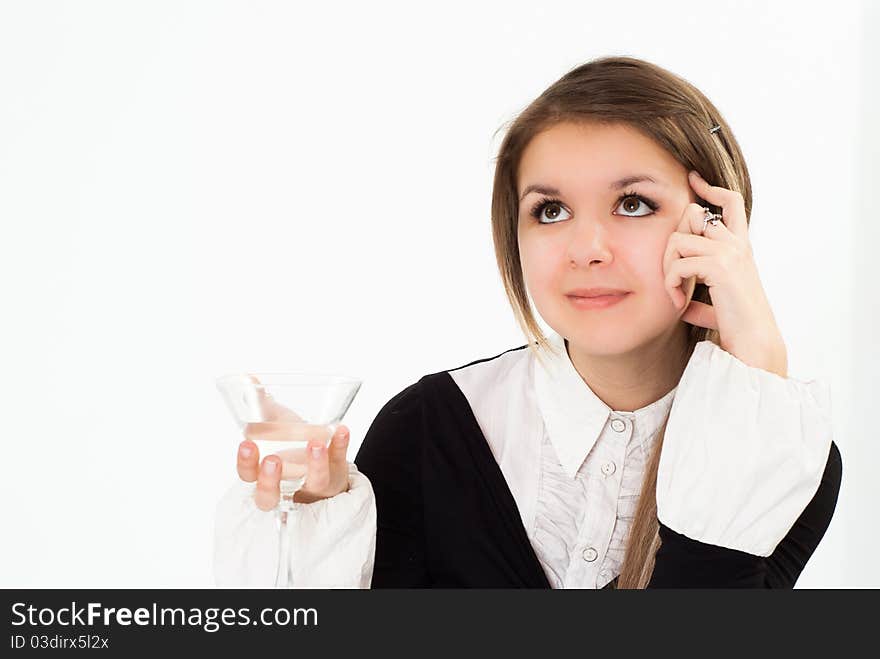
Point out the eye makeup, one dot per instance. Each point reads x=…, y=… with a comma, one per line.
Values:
x=541, y=204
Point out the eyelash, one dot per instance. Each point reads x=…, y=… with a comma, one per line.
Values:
x=538, y=208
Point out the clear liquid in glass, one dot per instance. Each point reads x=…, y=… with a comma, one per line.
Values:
x=289, y=441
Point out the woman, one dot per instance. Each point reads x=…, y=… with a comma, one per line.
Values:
x=653, y=439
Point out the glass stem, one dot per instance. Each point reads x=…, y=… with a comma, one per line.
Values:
x=284, y=512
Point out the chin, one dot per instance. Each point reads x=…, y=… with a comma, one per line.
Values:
x=605, y=339
x=603, y=343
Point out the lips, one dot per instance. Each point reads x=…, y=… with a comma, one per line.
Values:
x=597, y=301
x=596, y=292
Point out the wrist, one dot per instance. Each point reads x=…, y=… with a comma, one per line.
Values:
x=773, y=358
x=770, y=356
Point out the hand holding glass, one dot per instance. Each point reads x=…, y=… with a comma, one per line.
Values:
x=282, y=416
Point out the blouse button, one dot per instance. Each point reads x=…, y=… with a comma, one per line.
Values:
x=590, y=554
x=618, y=425
x=608, y=468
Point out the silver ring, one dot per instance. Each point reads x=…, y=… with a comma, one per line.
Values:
x=711, y=218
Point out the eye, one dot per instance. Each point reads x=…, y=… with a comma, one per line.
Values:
x=538, y=209
x=632, y=202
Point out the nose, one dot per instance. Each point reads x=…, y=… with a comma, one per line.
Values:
x=589, y=242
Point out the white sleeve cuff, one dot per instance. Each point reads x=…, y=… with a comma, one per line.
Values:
x=332, y=544
x=334, y=540
x=743, y=454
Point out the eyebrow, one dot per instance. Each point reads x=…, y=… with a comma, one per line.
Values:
x=616, y=185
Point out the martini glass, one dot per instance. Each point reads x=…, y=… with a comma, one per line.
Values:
x=281, y=413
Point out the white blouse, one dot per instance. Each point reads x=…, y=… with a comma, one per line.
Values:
x=575, y=467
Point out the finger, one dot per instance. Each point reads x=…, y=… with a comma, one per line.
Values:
x=700, y=314
x=703, y=267
x=338, y=449
x=693, y=218
x=318, y=475
x=248, y=461
x=268, y=492
x=731, y=202
x=681, y=245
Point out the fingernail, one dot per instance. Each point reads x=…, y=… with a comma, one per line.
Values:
x=696, y=174
x=269, y=466
x=245, y=451
x=317, y=451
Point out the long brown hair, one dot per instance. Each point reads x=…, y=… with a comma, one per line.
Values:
x=678, y=117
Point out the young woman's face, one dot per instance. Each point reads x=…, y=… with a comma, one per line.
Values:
x=582, y=243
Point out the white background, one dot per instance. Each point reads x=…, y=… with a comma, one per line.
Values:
x=189, y=189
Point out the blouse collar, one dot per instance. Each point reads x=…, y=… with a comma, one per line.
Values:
x=575, y=417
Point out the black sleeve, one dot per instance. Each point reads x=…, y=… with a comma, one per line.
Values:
x=391, y=457
x=685, y=563
x=787, y=561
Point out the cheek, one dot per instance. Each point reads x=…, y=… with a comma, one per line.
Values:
x=645, y=261
x=538, y=263
x=646, y=264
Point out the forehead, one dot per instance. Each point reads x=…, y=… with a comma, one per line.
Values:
x=593, y=154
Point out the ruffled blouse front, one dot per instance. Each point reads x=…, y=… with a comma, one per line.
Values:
x=582, y=522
